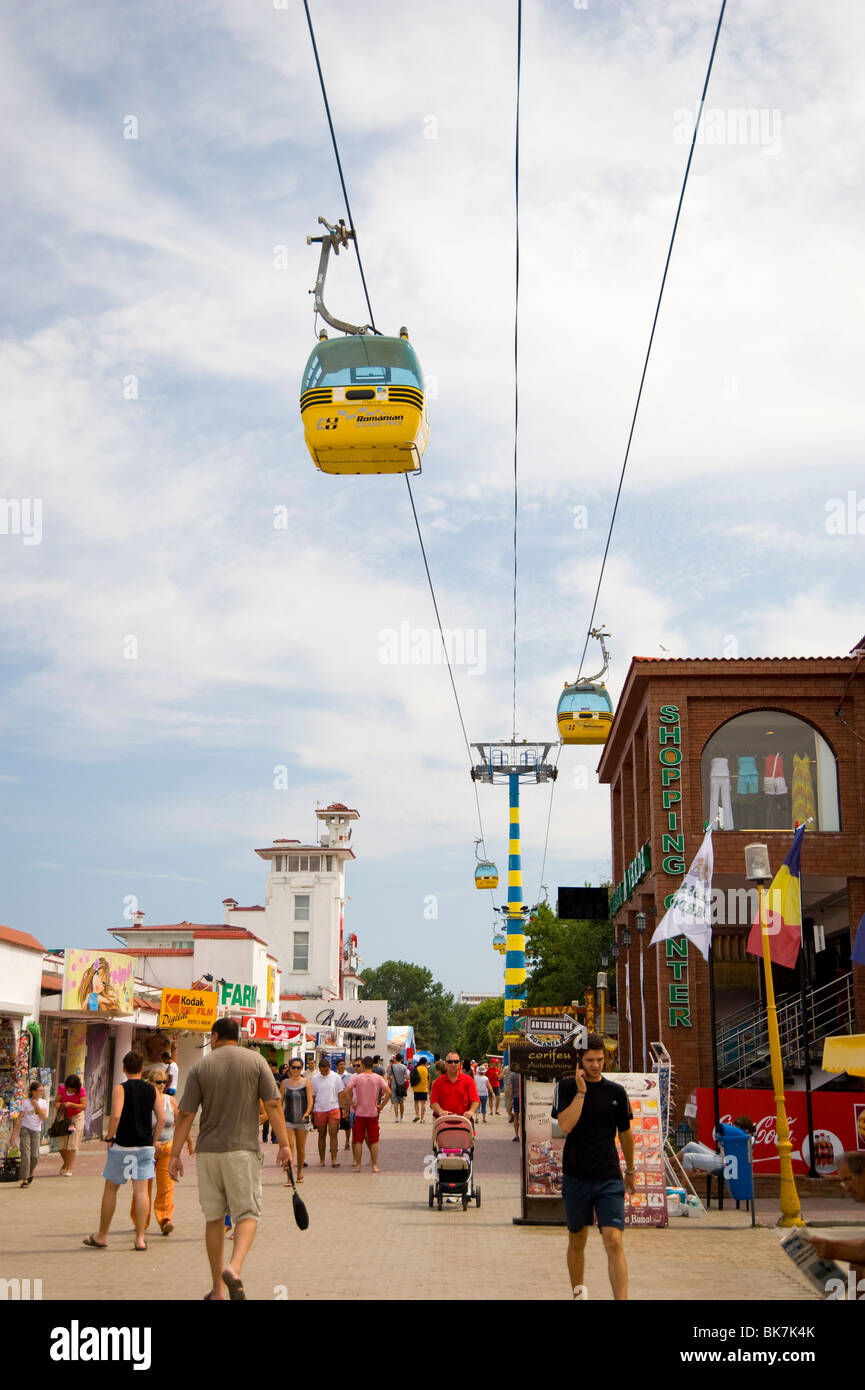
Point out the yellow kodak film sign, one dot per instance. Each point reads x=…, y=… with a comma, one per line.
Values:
x=195, y=1009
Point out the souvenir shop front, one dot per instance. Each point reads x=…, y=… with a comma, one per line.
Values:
x=20, y=1056
x=764, y=744
x=88, y=1013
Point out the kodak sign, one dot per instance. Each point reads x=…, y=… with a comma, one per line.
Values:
x=194, y=1009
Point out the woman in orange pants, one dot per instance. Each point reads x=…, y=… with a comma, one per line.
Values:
x=163, y=1207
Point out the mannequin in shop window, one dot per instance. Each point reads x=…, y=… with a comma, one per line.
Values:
x=804, y=803
x=719, y=792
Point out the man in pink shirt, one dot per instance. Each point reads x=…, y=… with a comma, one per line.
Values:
x=369, y=1093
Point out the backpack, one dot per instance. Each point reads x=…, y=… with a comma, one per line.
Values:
x=415, y=1077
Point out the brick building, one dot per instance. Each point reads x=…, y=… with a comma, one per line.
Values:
x=769, y=742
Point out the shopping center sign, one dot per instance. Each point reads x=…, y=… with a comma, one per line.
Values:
x=636, y=870
x=670, y=758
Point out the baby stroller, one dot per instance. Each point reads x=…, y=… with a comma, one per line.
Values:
x=453, y=1147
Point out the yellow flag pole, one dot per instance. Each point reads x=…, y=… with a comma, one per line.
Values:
x=791, y=1213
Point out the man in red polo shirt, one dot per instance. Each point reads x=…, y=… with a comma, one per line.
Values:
x=454, y=1093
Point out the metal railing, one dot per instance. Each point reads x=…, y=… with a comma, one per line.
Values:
x=743, y=1038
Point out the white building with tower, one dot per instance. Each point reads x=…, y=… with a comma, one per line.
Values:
x=302, y=920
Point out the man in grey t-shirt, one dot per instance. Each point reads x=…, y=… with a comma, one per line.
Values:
x=227, y=1085
x=398, y=1076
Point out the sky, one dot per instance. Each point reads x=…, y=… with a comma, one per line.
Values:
x=189, y=607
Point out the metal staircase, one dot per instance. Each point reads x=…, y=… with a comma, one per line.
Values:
x=743, y=1037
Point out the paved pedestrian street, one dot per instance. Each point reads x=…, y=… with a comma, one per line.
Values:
x=375, y=1235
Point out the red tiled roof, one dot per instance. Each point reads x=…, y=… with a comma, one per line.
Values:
x=209, y=931
x=727, y=661
x=20, y=938
x=289, y=1017
x=248, y=909
x=145, y=1004
x=291, y=996
x=149, y=951
x=170, y=926
x=51, y=984
x=232, y=934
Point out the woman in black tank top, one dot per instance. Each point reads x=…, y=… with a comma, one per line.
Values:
x=135, y=1129
x=296, y=1093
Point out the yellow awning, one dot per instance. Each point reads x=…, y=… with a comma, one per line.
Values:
x=845, y=1053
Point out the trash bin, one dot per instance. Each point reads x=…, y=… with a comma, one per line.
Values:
x=738, y=1168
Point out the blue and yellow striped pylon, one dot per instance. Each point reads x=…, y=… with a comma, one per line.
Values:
x=515, y=954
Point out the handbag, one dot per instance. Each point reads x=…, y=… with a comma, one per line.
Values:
x=10, y=1169
x=60, y=1127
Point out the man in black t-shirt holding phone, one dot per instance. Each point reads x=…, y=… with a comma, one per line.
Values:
x=592, y=1110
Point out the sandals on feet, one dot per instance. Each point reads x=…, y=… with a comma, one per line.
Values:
x=236, y=1292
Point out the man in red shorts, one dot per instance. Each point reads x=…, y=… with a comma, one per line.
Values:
x=455, y=1093
x=369, y=1094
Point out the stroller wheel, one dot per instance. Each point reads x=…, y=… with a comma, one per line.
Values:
x=440, y=1201
x=477, y=1196
x=432, y=1194
x=465, y=1202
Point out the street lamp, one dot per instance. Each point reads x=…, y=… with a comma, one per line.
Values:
x=602, y=988
x=640, y=924
x=626, y=942
x=757, y=871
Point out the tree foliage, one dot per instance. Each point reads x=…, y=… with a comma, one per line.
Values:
x=415, y=998
x=563, y=958
x=482, y=1029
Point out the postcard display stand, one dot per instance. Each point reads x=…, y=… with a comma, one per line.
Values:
x=14, y=1057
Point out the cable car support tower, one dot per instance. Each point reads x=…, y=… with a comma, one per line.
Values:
x=514, y=761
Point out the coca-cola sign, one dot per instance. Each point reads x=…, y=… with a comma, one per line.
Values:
x=836, y=1125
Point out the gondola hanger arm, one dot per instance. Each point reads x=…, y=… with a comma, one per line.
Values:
x=600, y=634
x=337, y=236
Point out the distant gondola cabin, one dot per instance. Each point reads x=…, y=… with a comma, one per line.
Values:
x=486, y=875
x=363, y=406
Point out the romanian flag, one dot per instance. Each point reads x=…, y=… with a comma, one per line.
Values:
x=782, y=911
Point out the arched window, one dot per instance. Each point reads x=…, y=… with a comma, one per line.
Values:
x=768, y=770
